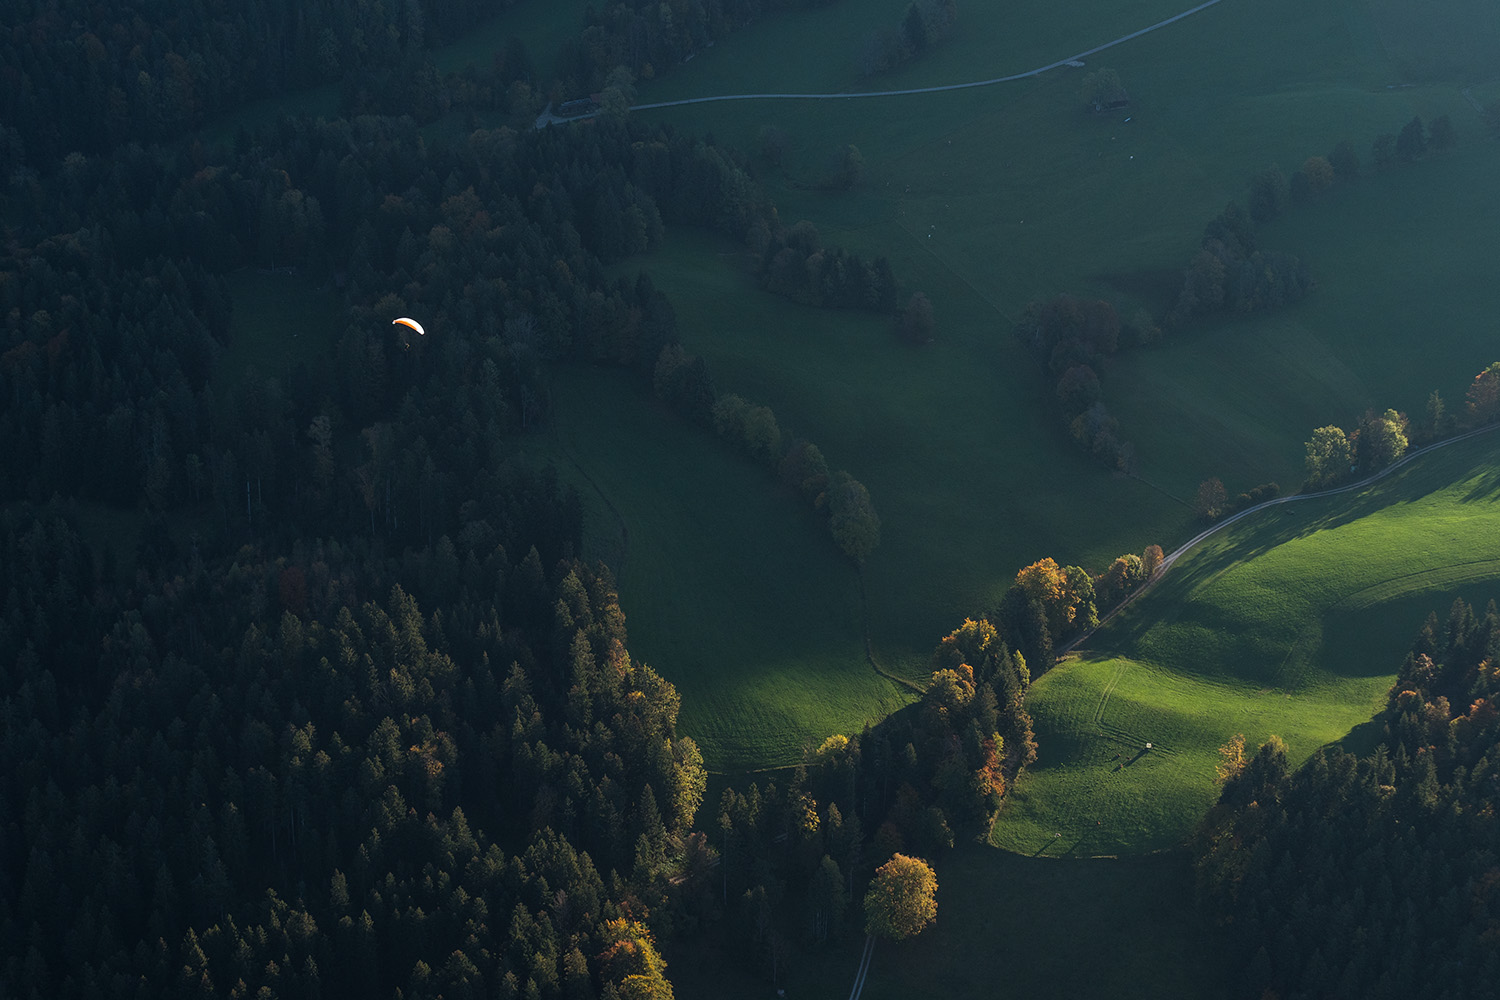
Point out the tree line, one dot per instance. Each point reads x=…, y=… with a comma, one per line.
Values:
x=1049, y=605
x=1229, y=273
x=438, y=770
x=1073, y=339
x=110, y=335
x=682, y=381
x=1334, y=455
x=1371, y=876
x=345, y=714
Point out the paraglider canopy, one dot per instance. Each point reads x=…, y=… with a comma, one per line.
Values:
x=403, y=321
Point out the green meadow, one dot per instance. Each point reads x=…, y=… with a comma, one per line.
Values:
x=1291, y=622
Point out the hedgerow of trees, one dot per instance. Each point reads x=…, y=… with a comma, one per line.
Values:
x=1073, y=339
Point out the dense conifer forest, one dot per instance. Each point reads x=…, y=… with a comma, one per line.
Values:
x=1373, y=876
x=306, y=688
x=347, y=715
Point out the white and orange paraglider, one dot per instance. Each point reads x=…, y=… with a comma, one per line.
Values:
x=410, y=323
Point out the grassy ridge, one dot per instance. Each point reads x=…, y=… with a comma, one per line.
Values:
x=1290, y=622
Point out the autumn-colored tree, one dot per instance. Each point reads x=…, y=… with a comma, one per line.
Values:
x=1066, y=595
x=1124, y=574
x=1151, y=560
x=1042, y=581
x=1231, y=759
x=1482, y=401
x=902, y=898
x=630, y=960
x=971, y=644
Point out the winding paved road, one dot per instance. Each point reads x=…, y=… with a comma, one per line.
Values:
x=929, y=90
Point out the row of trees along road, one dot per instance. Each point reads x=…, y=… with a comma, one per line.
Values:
x=1334, y=455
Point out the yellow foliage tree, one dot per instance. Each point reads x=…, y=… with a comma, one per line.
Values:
x=902, y=899
x=1231, y=759
x=632, y=962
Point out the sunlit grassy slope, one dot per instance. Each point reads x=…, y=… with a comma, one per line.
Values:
x=1291, y=622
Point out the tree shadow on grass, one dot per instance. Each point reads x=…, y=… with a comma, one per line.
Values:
x=1362, y=740
x=1485, y=486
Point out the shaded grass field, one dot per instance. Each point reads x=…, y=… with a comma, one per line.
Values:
x=1046, y=927
x=731, y=588
x=1291, y=622
x=971, y=478
x=1398, y=261
x=986, y=199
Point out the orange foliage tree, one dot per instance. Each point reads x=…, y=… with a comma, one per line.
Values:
x=902, y=899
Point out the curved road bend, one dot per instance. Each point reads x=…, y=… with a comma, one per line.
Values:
x=930, y=90
x=1182, y=549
